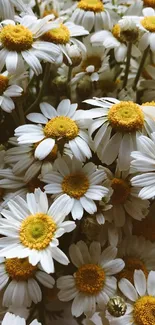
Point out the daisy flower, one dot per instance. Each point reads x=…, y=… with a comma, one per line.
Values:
x=79, y=184
x=93, y=282
x=146, y=25
x=23, y=287
x=141, y=300
x=56, y=126
x=10, y=319
x=35, y=228
x=65, y=35
x=9, y=89
x=144, y=162
x=120, y=123
x=19, y=43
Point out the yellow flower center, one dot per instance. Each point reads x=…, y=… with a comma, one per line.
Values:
x=145, y=228
x=61, y=127
x=121, y=190
x=60, y=35
x=90, y=279
x=126, y=117
x=91, y=5
x=149, y=104
x=37, y=231
x=16, y=38
x=92, y=60
x=20, y=269
x=75, y=185
x=49, y=12
x=149, y=3
x=149, y=23
x=131, y=264
x=4, y=81
x=116, y=31
x=144, y=311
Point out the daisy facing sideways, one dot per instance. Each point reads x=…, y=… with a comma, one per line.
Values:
x=78, y=184
x=141, y=300
x=32, y=228
x=118, y=125
x=93, y=282
x=11, y=319
x=56, y=127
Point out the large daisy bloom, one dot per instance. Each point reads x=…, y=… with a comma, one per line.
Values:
x=11, y=319
x=118, y=125
x=23, y=287
x=146, y=25
x=56, y=126
x=32, y=228
x=8, y=89
x=141, y=300
x=93, y=282
x=144, y=163
x=78, y=184
x=20, y=43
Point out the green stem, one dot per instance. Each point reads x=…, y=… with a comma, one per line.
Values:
x=42, y=89
x=129, y=50
x=140, y=67
x=68, y=81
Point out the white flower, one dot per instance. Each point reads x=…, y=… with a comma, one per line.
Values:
x=141, y=300
x=93, y=282
x=35, y=228
x=56, y=125
x=123, y=118
x=77, y=184
x=20, y=44
x=10, y=319
x=146, y=25
x=23, y=287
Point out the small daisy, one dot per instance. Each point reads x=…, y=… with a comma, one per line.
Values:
x=10, y=319
x=20, y=43
x=56, y=126
x=35, y=228
x=141, y=300
x=120, y=123
x=79, y=184
x=144, y=162
x=147, y=25
x=23, y=288
x=8, y=89
x=65, y=35
x=93, y=282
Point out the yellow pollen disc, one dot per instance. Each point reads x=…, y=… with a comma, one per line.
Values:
x=75, y=185
x=60, y=35
x=121, y=190
x=145, y=228
x=4, y=81
x=61, y=127
x=90, y=279
x=20, y=269
x=16, y=38
x=116, y=31
x=37, y=231
x=91, y=5
x=149, y=23
x=149, y=104
x=144, y=311
x=126, y=117
x=149, y=3
x=131, y=264
x=92, y=60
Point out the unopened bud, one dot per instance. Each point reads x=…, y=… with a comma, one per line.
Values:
x=75, y=55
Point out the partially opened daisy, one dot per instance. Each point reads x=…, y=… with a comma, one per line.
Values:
x=93, y=282
x=11, y=319
x=32, y=228
x=20, y=43
x=57, y=126
x=118, y=125
x=9, y=89
x=140, y=303
x=23, y=278
x=78, y=184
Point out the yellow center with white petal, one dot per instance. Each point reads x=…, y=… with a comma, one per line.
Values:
x=59, y=35
x=126, y=117
x=92, y=60
x=37, y=231
x=121, y=190
x=132, y=264
x=144, y=311
x=4, y=81
x=61, y=127
x=149, y=23
x=145, y=228
x=75, y=185
x=16, y=38
x=116, y=31
x=90, y=279
x=91, y=5
x=123, y=36
x=19, y=269
x=149, y=3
